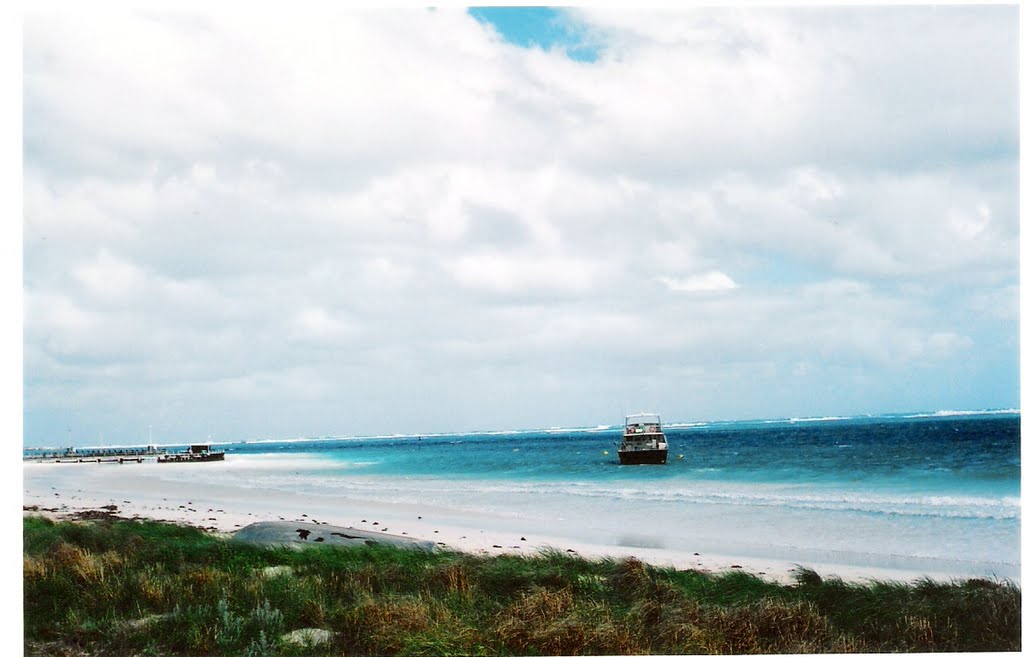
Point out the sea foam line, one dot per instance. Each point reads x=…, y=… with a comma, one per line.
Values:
x=944, y=506
x=1004, y=411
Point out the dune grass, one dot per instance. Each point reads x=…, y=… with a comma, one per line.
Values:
x=122, y=587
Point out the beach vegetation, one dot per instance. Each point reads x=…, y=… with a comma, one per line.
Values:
x=121, y=587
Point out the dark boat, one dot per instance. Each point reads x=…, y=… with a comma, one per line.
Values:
x=642, y=440
x=194, y=454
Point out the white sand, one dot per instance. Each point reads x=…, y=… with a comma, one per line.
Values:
x=137, y=490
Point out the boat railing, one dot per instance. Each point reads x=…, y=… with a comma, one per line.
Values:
x=643, y=428
x=636, y=446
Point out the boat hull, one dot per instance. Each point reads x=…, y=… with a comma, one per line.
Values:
x=643, y=457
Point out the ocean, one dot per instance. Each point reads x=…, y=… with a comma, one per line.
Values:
x=936, y=493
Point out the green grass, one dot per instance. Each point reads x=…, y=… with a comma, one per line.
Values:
x=146, y=588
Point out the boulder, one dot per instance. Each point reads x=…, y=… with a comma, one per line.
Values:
x=302, y=534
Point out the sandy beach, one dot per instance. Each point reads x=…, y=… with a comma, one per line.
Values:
x=140, y=491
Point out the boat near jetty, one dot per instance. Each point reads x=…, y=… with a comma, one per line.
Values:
x=194, y=454
x=643, y=441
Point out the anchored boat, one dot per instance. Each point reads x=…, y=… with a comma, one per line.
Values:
x=642, y=440
x=194, y=454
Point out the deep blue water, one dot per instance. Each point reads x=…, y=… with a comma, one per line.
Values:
x=969, y=455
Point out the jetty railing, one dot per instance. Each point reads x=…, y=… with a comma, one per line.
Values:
x=79, y=455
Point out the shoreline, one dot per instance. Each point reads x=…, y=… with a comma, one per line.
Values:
x=135, y=494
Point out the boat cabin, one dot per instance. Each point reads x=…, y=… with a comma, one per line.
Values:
x=643, y=423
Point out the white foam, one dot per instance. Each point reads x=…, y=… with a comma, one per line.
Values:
x=283, y=474
x=1005, y=411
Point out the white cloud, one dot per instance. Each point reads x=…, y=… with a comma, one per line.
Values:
x=712, y=281
x=242, y=203
x=110, y=278
x=968, y=226
x=319, y=325
x=513, y=275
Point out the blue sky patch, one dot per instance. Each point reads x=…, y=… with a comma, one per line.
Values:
x=542, y=27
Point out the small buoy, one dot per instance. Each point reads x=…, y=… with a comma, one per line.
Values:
x=680, y=456
x=606, y=452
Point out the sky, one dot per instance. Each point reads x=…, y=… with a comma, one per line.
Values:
x=411, y=220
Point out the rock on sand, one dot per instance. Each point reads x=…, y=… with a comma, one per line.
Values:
x=297, y=534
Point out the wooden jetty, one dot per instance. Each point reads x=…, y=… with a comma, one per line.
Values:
x=193, y=454
x=94, y=454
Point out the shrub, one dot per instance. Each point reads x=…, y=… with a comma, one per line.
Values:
x=109, y=587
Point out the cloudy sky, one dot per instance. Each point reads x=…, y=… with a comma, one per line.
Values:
x=248, y=225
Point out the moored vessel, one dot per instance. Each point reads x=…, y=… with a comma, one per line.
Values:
x=643, y=441
x=194, y=454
